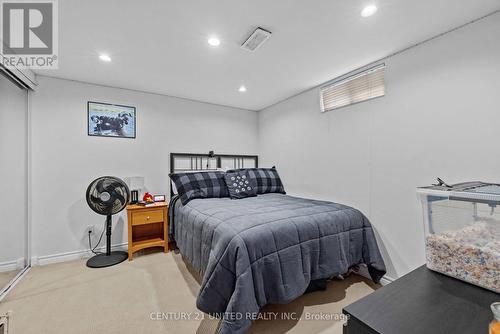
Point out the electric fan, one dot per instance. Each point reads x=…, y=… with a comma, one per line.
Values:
x=107, y=196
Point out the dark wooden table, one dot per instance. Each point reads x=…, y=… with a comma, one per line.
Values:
x=423, y=302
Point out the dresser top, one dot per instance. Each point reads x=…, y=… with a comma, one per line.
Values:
x=424, y=301
x=139, y=207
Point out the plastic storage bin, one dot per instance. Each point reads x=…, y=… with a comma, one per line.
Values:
x=462, y=231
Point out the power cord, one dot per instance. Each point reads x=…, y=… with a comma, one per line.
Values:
x=98, y=242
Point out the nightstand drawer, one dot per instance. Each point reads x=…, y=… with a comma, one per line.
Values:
x=147, y=217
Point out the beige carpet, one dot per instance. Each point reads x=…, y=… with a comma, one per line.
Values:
x=6, y=277
x=70, y=298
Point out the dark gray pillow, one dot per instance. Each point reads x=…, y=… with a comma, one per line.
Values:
x=240, y=184
x=199, y=185
x=268, y=180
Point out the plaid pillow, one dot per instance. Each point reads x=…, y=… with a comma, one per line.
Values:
x=268, y=180
x=241, y=185
x=199, y=185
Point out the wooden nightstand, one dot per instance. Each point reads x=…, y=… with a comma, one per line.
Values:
x=147, y=227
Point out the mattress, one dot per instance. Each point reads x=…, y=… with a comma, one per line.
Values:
x=267, y=249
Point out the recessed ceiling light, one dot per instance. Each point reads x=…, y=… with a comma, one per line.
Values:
x=369, y=10
x=105, y=58
x=214, y=41
x=242, y=89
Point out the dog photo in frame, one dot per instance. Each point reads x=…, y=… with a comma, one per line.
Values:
x=111, y=120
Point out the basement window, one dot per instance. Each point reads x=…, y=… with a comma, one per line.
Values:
x=356, y=88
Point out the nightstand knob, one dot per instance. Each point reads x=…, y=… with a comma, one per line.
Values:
x=147, y=217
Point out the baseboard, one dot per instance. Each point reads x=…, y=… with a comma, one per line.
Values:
x=363, y=271
x=386, y=280
x=72, y=256
x=8, y=266
x=12, y=265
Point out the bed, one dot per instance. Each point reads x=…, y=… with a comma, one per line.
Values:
x=267, y=249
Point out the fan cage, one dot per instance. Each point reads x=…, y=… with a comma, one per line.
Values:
x=107, y=195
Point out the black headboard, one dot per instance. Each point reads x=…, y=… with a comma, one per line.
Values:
x=182, y=162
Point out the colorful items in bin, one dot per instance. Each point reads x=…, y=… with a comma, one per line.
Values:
x=471, y=254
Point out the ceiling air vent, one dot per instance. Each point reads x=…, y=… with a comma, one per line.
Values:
x=256, y=39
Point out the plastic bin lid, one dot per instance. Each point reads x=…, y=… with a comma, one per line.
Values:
x=467, y=191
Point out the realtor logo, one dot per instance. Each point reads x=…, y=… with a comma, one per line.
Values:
x=29, y=33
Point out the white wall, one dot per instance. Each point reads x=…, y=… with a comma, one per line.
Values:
x=13, y=164
x=440, y=117
x=65, y=160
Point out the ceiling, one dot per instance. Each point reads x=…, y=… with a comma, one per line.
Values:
x=161, y=46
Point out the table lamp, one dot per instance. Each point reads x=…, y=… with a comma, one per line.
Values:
x=136, y=184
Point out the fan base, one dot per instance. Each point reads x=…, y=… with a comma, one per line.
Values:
x=103, y=260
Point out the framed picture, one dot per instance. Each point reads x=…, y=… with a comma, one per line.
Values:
x=110, y=120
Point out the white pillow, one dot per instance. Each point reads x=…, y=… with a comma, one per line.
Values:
x=174, y=188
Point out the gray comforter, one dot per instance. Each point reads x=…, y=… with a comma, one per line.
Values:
x=267, y=249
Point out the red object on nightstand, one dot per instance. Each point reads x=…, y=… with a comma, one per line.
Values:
x=147, y=197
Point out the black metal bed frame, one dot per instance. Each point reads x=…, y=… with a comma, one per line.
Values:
x=200, y=161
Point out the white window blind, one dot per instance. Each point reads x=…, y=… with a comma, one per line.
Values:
x=360, y=87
